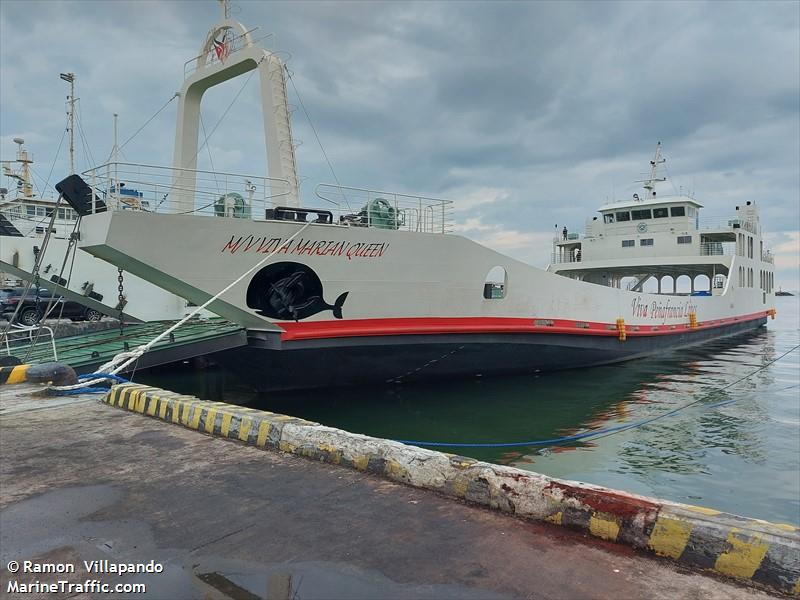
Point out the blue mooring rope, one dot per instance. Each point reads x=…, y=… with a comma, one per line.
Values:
x=116, y=378
x=91, y=390
x=598, y=432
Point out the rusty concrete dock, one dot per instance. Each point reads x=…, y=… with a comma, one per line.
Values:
x=81, y=480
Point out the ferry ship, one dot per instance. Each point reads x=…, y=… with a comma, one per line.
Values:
x=374, y=287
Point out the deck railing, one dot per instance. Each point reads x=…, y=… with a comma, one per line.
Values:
x=717, y=249
x=727, y=223
x=565, y=257
x=361, y=207
x=131, y=186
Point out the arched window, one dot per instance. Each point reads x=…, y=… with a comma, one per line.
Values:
x=668, y=284
x=496, y=284
x=702, y=283
x=650, y=286
x=683, y=284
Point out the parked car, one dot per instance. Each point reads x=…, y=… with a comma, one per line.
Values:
x=30, y=313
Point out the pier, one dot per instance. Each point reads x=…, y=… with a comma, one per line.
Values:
x=292, y=509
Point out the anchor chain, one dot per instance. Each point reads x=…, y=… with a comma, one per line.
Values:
x=38, y=301
x=120, y=301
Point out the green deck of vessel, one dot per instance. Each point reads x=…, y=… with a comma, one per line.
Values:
x=100, y=346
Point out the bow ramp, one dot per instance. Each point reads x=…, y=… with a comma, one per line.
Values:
x=143, y=243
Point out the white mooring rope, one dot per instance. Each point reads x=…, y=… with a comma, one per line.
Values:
x=123, y=359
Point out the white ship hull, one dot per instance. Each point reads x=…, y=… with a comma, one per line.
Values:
x=413, y=302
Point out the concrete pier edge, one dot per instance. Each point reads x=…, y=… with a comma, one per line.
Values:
x=737, y=547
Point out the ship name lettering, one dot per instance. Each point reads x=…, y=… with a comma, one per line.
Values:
x=638, y=308
x=307, y=247
x=268, y=246
x=364, y=250
x=662, y=310
x=233, y=246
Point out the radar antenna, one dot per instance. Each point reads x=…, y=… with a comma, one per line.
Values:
x=650, y=183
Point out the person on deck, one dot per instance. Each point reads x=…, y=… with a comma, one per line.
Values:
x=564, y=231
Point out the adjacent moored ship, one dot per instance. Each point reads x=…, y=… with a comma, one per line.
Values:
x=35, y=246
x=376, y=288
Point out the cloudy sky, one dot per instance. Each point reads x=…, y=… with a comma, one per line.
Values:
x=526, y=114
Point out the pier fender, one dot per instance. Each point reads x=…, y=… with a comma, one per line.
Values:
x=55, y=373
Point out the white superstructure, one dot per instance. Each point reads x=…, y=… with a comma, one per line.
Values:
x=655, y=241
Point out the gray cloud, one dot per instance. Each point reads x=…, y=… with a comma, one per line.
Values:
x=557, y=106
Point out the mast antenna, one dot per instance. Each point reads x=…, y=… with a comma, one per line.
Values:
x=650, y=184
x=115, y=149
x=70, y=78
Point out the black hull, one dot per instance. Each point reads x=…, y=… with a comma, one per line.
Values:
x=412, y=358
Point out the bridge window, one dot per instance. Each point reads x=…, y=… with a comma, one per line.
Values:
x=638, y=215
x=646, y=242
x=608, y=218
x=660, y=213
x=684, y=239
x=494, y=287
x=623, y=216
x=678, y=211
x=628, y=243
x=30, y=209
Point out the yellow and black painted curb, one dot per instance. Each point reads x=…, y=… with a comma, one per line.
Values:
x=14, y=374
x=747, y=549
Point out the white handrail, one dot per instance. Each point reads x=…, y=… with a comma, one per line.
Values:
x=23, y=331
x=410, y=212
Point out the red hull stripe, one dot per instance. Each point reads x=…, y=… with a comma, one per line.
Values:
x=310, y=330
